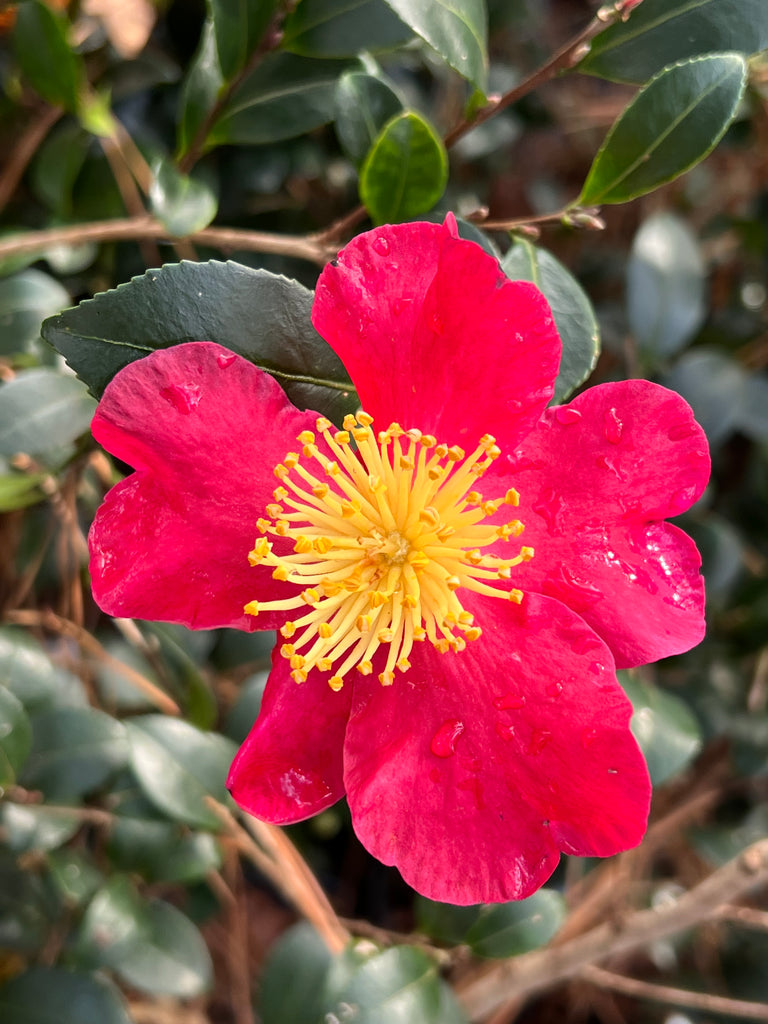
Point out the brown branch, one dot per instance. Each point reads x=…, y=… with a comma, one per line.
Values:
x=88, y=643
x=25, y=149
x=542, y=969
x=306, y=247
x=676, y=996
x=747, y=916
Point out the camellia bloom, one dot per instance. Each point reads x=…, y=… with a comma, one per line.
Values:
x=456, y=572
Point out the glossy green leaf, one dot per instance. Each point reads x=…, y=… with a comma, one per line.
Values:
x=238, y=26
x=667, y=731
x=74, y=751
x=406, y=170
x=182, y=204
x=445, y=922
x=672, y=124
x=457, y=31
x=574, y=317
x=284, y=96
x=31, y=676
x=508, y=929
x=714, y=384
x=342, y=28
x=56, y=166
x=73, y=876
x=399, y=986
x=161, y=851
x=291, y=987
x=151, y=946
x=53, y=995
x=364, y=104
x=661, y=32
x=257, y=314
x=15, y=737
x=191, y=689
x=46, y=58
x=32, y=827
x=245, y=710
x=43, y=411
x=25, y=909
x=200, y=90
x=25, y=300
x=178, y=766
x=666, y=284
x=18, y=490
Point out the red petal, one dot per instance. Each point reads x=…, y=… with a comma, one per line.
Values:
x=474, y=770
x=595, y=477
x=290, y=766
x=204, y=429
x=435, y=336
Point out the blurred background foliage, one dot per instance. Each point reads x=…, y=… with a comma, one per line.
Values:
x=138, y=133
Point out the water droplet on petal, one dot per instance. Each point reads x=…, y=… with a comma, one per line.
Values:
x=680, y=431
x=606, y=462
x=381, y=245
x=444, y=741
x=225, y=359
x=549, y=506
x=509, y=700
x=586, y=642
x=538, y=741
x=183, y=397
x=613, y=771
x=303, y=788
x=554, y=690
x=505, y=732
x=612, y=426
x=437, y=324
x=566, y=415
x=682, y=500
x=588, y=737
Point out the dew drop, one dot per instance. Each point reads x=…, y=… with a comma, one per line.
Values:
x=606, y=462
x=381, y=245
x=597, y=668
x=612, y=426
x=436, y=323
x=444, y=741
x=183, y=397
x=549, y=506
x=586, y=642
x=554, y=690
x=588, y=737
x=509, y=701
x=566, y=415
x=225, y=359
x=505, y=732
x=613, y=771
x=680, y=431
x=538, y=741
x=681, y=501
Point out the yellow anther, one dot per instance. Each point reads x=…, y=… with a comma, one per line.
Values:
x=280, y=494
x=252, y=608
x=363, y=623
x=287, y=650
x=441, y=450
x=302, y=545
x=452, y=582
x=306, y=437
x=455, y=453
x=274, y=510
x=403, y=664
x=527, y=554
x=332, y=468
x=364, y=418
x=281, y=527
x=288, y=629
x=325, y=664
x=365, y=668
x=299, y=675
x=322, y=424
x=292, y=459
x=378, y=598
x=434, y=472
x=473, y=556
x=322, y=545
x=516, y=596
x=280, y=471
x=349, y=422
x=395, y=430
x=310, y=596
x=341, y=437
x=419, y=633
x=336, y=683
x=457, y=643
x=430, y=516
x=413, y=435
x=349, y=509
x=385, y=636
x=280, y=573
x=512, y=497
x=445, y=531
x=473, y=633
x=262, y=524
x=428, y=440
x=473, y=498
x=320, y=490
x=411, y=601
x=261, y=549
x=297, y=661
x=386, y=678
x=325, y=631
x=442, y=645
x=486, y=441
x=405, y=462
x=513, y=529
x=490, y=507
x=504, y=572
x=418, y=559
x=361, y=434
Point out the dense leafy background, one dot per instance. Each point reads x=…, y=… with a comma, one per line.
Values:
x=240, y=142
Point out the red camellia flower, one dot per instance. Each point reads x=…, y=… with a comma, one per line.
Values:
x=456, y=572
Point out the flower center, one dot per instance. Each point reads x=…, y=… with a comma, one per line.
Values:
x=383, y=539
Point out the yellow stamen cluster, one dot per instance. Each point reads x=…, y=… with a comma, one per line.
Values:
x=384, y=535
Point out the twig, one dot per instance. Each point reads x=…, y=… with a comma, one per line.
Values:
x=24, y=150
x=675, y=996
x=89, y=644
x=287, y=871
x=748, y=916
x=88, y=815
x=541, y=969
x=306, y=247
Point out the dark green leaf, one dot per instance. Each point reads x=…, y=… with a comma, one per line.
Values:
x=660, y=32
x=18, y=490
x=666, y=730
x=31, y=676
x=283, y=97
x=444, y=921
x=31, y=827
x=178, y=766
x=715, y=386
x=200, y=90
x=574, y=317
x=42, y=411
x=74, y=750
x=52, y=995
x=508, y=929
x=162, y=852
x=406, y=170
x=15, y=737
x=665, y=285
x=291, y=987
x=246, y=708
x=25, y=910
x=73, y=876
x=46, y=58
x=238, y=28
x=193, y=690
x=364, y=104
x=399, y=986
x=342, y=28
x=257, y=314
x=57, y=165
x=183, y=204
x=458, y=32
x=25, y=300
x=672, y=124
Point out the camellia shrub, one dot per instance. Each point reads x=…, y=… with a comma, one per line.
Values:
x=387, y=526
